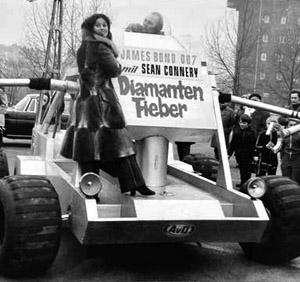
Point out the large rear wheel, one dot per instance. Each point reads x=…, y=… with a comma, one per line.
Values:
x=281, y=239
x=30, y=225
x=205, y=165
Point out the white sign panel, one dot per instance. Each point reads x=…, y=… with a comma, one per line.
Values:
x=164, y=88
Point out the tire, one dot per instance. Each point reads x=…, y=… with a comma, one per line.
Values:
x=207, y=166
x=281, y=239
x=4, y=171
x=30, y=225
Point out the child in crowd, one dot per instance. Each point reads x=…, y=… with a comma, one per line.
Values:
x=243, y=145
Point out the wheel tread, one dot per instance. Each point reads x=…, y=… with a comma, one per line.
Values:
x=281, y=239
x=33, y=225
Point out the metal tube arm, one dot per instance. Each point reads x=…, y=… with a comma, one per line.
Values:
x=224, y=97
x=42, y=84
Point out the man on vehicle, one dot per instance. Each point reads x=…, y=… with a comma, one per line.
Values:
x=153, y=24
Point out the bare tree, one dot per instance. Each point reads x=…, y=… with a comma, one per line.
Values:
x=12, y=65
x=231, y=45
x=285, y=66
x=37, y=30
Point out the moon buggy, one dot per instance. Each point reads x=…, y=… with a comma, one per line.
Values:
x=168, y=97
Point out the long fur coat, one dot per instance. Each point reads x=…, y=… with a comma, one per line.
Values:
x=98, y=131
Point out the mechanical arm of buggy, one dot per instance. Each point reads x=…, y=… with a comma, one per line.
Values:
x=281, y=134
x=61, y=86
x=72, y=87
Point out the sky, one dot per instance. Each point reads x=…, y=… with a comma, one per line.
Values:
x=12, y=15
x=12, y=20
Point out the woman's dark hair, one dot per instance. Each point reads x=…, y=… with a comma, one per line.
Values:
x=89, y=23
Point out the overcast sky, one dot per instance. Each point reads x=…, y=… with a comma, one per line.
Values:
x=12, y=14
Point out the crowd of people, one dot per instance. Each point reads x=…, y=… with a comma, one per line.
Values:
x=252, y=143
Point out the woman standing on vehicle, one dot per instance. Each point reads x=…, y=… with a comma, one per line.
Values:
x=99, y=137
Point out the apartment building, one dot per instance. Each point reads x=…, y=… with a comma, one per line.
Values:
x=274, y=60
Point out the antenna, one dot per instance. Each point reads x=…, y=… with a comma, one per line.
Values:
x=52, y=63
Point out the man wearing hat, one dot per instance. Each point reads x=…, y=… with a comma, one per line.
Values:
x=258, y=116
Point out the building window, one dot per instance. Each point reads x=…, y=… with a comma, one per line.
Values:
x=265, y=38
x=263, y=56
x=262, y=75
x=279, y=57
x=266, y=19
x=281, y=39
x=283, y=20
x=278, y=76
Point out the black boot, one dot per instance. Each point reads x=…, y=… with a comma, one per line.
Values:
x=144, y=190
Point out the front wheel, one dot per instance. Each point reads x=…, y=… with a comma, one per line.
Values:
x=281, y=239
x=30, y=225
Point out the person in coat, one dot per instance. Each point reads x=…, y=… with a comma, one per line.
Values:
x=294, y=105
x=258, y=116
x=242, y=145
x=290, y=154
x=98, y=137
x=266, y=159
x=228, y=120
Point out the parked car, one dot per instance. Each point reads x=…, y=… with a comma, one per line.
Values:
x=20, y=119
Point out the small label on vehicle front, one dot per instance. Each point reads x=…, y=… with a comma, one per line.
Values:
x=179, y=230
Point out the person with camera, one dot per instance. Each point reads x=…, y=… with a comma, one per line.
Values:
x=265, y=161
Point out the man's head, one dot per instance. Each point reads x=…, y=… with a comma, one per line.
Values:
x=153, y=23
x=255, y=97
x=295, y=96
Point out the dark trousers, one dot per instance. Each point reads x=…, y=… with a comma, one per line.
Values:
x=244, y=163
x=183, y=149
x=125, y=169
x=290, y=167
